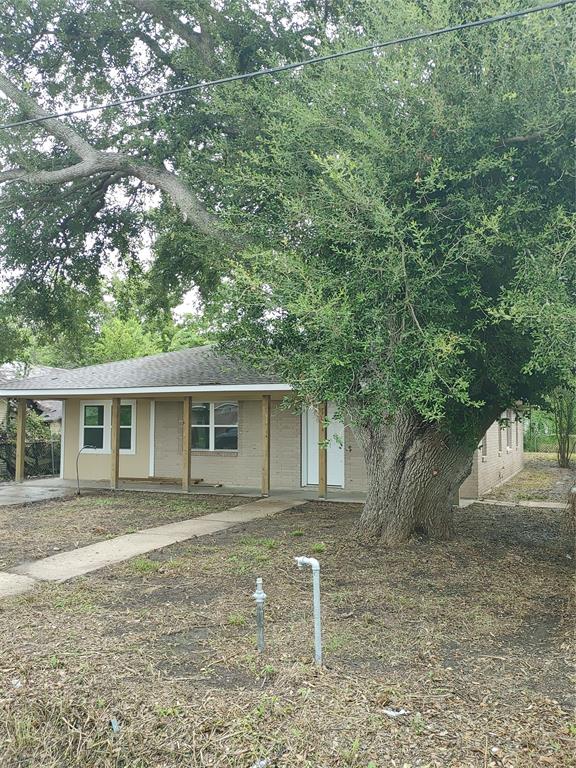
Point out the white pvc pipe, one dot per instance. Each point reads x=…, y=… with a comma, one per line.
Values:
x=315, y=565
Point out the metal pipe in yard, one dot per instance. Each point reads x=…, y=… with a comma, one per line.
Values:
x=260, y=597
x=315, y=565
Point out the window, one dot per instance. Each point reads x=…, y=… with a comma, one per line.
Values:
x=508, y=430
x=126, y=430
x=484, y=446
x=95, y=426
x=215, y=426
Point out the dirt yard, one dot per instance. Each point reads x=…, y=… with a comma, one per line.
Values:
x=541, y=479
x=32, y=531
x=470, y=640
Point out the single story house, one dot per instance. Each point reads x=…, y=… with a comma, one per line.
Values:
x=192, y=417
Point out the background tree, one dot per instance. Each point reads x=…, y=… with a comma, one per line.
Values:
x=81, y=193
x=563, y=402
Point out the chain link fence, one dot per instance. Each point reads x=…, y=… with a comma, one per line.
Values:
x=42, y=459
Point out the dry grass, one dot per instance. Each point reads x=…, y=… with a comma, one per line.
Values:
x=540, y=480
x=470, y=637
x=32, y=531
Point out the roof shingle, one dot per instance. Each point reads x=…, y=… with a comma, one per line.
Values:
x=198, y=366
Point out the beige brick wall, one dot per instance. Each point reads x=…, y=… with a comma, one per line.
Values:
x=240, y=468
x=501, y=459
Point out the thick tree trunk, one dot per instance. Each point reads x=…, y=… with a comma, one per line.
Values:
x=414, y=473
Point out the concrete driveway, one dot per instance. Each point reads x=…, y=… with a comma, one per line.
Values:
x=33, y=490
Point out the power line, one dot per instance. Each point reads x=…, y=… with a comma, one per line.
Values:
x=295, y=65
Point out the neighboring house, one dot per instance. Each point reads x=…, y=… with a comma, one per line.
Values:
x=50, y=411
x=191, y=416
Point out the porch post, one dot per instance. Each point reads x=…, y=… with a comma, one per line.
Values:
x=186, y=443
x=322, y=452
x=20, y=439
x=115, y=445
x=266, y=403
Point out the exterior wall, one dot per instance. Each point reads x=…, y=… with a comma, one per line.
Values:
x=498, y=461
x=96, y=466
x=241, y=468
x=3, y=411
x=354, y=467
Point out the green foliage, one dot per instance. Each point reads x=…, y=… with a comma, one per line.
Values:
x=121, y=340
x=401, y=207
x=36, y=428
x=191, y=331
x=58, y=239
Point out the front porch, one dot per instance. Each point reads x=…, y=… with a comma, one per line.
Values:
x=44, y=489
x=151, y=444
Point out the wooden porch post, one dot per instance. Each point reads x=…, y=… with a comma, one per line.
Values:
x=266, y=403
x=322, y=452
x=186, y=443
x=115, y=445
x=20, y=439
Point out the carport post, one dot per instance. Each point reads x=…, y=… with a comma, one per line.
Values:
x=322, y=452
x=186, y=443
x=20, y=440
x=115, y=445
x=266, y=402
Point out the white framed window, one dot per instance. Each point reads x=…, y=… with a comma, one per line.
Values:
x=214, y=426
x=96, y=426
x=509, y=416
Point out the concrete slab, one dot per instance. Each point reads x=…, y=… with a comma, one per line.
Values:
x=77, y=562
x=12, y=584
x=25, y=493
x=255, y=510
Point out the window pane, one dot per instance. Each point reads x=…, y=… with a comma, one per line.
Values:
x=200, y=413
x=225, y=413
x=94, y=415
x=226, y=438
x=125, y=438
x=93, y=437
x=125, y=415
x=201, y=438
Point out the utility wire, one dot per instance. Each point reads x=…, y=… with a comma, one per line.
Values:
x=295, y=65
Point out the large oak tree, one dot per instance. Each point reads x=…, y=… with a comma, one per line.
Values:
x=375, y=221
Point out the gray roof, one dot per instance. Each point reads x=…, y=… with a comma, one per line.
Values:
x=184, y=369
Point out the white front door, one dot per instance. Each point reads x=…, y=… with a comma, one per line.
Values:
x=335, y=457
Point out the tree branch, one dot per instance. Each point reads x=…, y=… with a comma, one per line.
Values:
x=200, y=41
x=68, y=135
x=94, y=161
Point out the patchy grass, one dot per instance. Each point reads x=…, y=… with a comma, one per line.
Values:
x=540, y=480
x=470, y=638
x=32, y=531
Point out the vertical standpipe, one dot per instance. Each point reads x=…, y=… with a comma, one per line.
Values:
x=315, y=565
x=259, y=596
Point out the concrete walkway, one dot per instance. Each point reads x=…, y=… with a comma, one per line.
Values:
x=76, y=562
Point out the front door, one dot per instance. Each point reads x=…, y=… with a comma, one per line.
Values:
x=335, y=457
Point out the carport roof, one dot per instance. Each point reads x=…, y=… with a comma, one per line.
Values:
x=198, y=369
